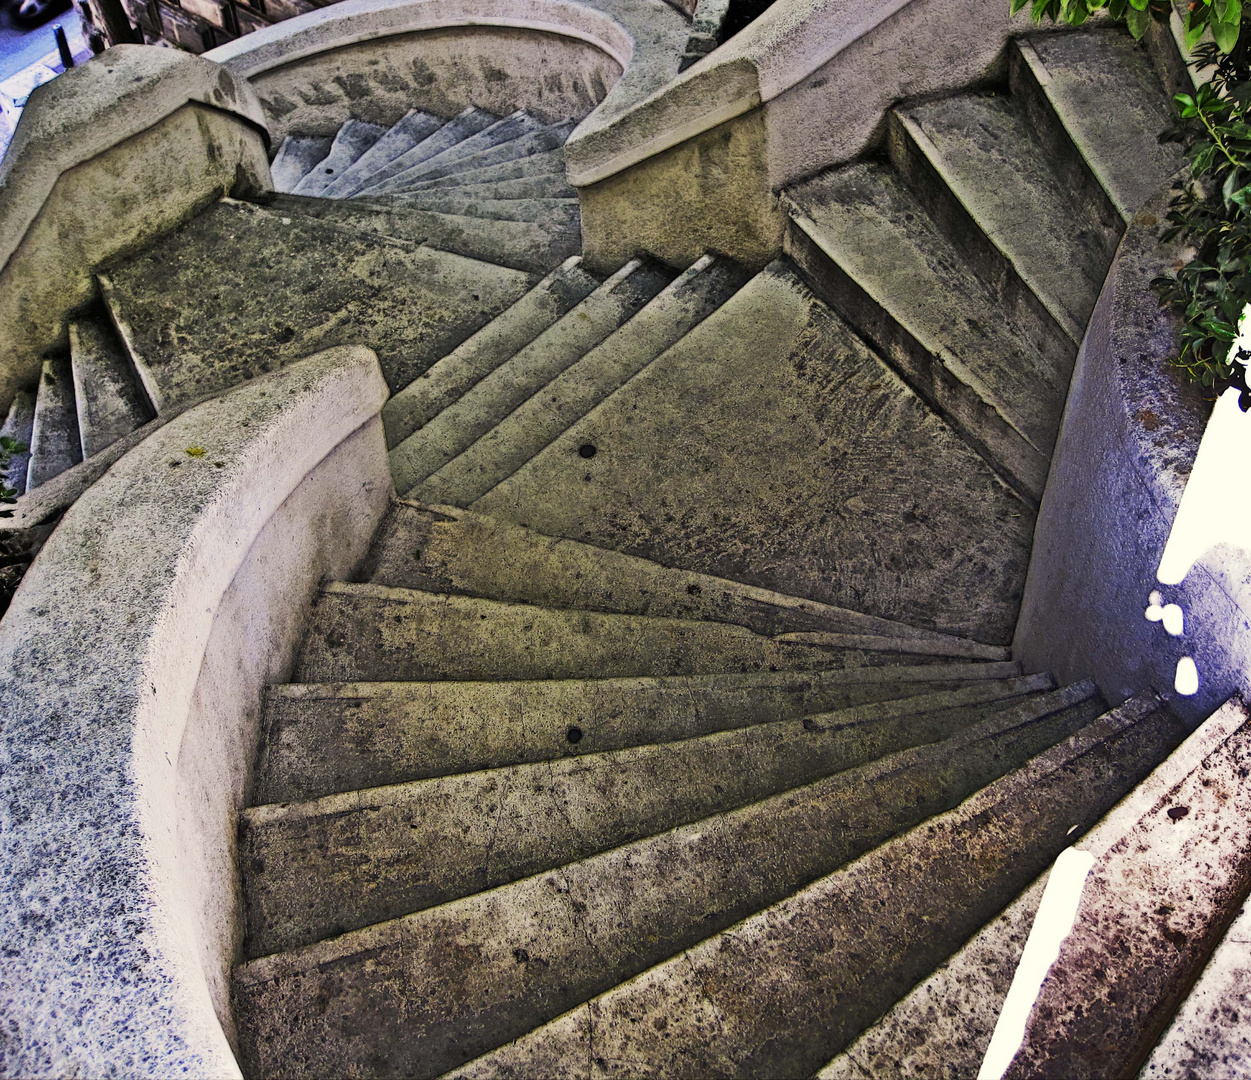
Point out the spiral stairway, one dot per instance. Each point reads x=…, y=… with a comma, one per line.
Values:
x=671, y=727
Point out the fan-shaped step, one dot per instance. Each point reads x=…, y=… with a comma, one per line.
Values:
x=564, y=212
x=324, y=738
x=54, y=442
x=542, y=189
x=582, y=385
x=532, y=949
x=353, y=139
x=400, y=138
x=297, y=284
x=533, y=166
x=372, y=632
x=446, y=434
x=454, y=131
x=295, y=159
x=533, y=150
x=790, y=458
x=109, y=401
x=346, y=861
x=789, y=986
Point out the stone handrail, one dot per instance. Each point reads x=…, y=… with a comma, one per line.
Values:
x=106, y=157
x=132, y=663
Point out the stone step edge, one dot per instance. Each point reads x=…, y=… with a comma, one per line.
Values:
x=261, y=814
x=876, y=625
x=331, y=950
x=869, y=642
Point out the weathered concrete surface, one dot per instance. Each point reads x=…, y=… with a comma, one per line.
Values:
x=464, y=125
x=984, y=148
x=447, y=549
x=781, y=991
x=389, y=733
x=54, y=442
x=511, y=384
x=370, y=633
x=593, y=924
x=562, y=211
x=110, y=660
x=541, y=143
x=522, y=245
x=771, y=447
x=400, y=137
x=541, y=163
x=69, y=197
x=1153, y=908
x=868, y=245
x=1109, y=99
x=18, y=425
x=295, y=159
x=353, y=139
x=295, y=285
x=1131, y=430
x=109, y=401
x=674, y=312
x=477, y=356
x=315, y=869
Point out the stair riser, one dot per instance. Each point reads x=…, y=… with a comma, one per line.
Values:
x=348, y=862
x=564, y=212
x=352, y=142
x=55, y=444
x=795, y=983
x=109, y=400
x=454, y=131
x=518, y=150
x=1063, y=155
x=406, y=134
x=541, y=164
x=988, y=262
x=592, y=925
x=19, y=425
x=388, y=734
x=1003, y=448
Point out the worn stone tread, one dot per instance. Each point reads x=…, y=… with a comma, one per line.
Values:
x=781, y=991
x=1005, y=387
x=986, y=151
x=54, y=442
x=448, y=549
x=532, y=949
x=18, y=425
x=499, y=392
x=554, y=211
x=389, y=733
x=544, y=163
x=109, y=401
x=371, y=632
x=671, y=314
x=460, y=127
x=1106, y=92
x=295, y=157
x=521, y=245
x=296, y=285
x=521, y=148
x=540, y=189
x=477, y=356
x=770, y=446
x=353, y=139
x=406, y=133
x=345, y=861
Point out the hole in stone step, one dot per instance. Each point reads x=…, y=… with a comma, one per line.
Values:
x=574, y=734
x=587, y=450
x=329, y=171
x=287, y=333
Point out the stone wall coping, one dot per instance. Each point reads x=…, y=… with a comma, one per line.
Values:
x=97, y=105
x=99, y=658
x=646, y=37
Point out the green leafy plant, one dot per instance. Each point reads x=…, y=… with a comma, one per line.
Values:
x=1136, y=13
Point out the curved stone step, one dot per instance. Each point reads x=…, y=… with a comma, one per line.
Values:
x=19, y=425
x=109, y=401
x=1107, y=96
x=989, y=157
x=528, y=951
x=296, y=156
x=476, y=357
x=519, y=245
x=545, y=163
x=54, y=441
x=871, y=249
x=297, y=284
x=354, y=138
x=542, y=189
x=673, y=313
x=780, y=992
x=491, y=399
x=461, y=127
x=365, y=633
x=406, y=133
x=448, y=549
x=555, y=211
x=793, y=459
x=324, y=738
x=316, y=869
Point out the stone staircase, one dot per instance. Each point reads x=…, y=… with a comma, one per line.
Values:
x=671, y=726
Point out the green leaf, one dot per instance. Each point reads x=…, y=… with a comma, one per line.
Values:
x=1137, y=21
x=1226, y=35
x=1016, y=6
x=1194, y=30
